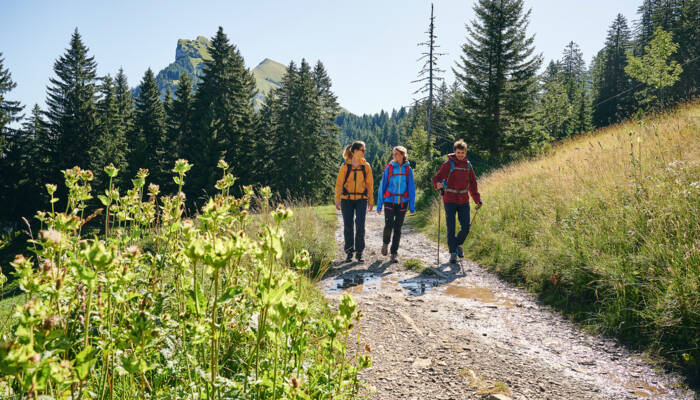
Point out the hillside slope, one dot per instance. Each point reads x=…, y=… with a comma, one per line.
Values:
x=607, y=229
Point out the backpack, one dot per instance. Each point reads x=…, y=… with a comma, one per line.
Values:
x=347, y=174
x=452, y=168
x=404, y=195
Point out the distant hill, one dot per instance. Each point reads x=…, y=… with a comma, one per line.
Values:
x=189, y=58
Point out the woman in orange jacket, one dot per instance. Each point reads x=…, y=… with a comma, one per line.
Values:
x=353, y=197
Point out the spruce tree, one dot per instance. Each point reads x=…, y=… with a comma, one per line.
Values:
x=180, y=118
x=497, y=74
x=225, y=118
x=13, y=149
x=614, y=98
x=147, y=140
x=111, y=139
x=9, y=110
x=72, y=109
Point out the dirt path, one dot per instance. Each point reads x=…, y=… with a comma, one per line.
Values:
x=464, y=334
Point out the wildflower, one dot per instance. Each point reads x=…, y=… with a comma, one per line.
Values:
x=182, y=166
x=50, y=188
x=51, y=235
x=222, y=164
x=50, y=322
x=153, y=189
x=19, y=260
x=111, y=171
x=133, y=250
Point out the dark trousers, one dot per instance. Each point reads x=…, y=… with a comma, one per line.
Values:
x=393, y=220
x=354, y=212
x=462, y=211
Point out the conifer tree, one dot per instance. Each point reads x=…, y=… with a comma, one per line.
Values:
x=147, y=140
x=72, y=109
x=180, y=118
x=111, y=138
x=225, y=118
x=614, y=97
x=9, y=110
x=497, y=75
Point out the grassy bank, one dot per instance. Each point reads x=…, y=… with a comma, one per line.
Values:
x=607, y=229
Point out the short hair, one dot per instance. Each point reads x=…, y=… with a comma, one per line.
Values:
x=460, y=145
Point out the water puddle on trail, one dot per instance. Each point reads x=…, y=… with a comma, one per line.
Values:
x=467, y=290
x=368, y=282
x=356, y=283
x=641, y=387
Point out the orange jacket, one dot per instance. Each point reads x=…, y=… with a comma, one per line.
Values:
x=356, y=184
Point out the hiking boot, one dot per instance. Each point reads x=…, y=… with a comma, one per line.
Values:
x=385, y=249
x=359, y=258
x=460, y=252
x=453, y=258
x=394, y=258
x=348, y=258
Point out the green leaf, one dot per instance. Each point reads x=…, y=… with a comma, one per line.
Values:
x=84, y=362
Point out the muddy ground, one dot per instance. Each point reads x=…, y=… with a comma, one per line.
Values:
x=462, y=333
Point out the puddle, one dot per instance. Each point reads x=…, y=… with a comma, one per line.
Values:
x=642, y=388
x=357, y=283
x=419, y=287
x=467, y=290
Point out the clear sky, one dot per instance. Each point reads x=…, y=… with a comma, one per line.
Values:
x=368, y=47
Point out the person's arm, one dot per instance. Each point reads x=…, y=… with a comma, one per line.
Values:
x=339, y=182
x=380, y=197
x=411, y=191
x=473, y=187
x=369, y=184
x=442, y=174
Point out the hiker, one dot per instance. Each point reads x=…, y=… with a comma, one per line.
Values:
x=456, y=176
x=396, y=192
x=354, y=197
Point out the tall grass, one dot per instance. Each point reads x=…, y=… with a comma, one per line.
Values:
x=606, y=228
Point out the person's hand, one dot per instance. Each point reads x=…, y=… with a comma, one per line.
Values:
x=438, y=186
x=369, y=207
x=337, y=206
x=478, y=206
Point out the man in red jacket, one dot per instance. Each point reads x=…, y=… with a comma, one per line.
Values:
x=457, y=177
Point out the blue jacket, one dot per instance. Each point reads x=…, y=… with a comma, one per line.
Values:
x=397, y=185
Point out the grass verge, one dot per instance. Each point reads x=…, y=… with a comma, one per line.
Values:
x=605, y=228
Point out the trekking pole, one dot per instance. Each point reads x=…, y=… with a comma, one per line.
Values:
x=474, y=217
x=442, y=193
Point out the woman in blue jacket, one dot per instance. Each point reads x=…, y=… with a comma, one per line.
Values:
x=396, y=193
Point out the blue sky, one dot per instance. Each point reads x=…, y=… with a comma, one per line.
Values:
x=368, y=47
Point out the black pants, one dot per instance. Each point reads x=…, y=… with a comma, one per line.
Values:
x=462, y=211
x=393, y=220
x=354, y=212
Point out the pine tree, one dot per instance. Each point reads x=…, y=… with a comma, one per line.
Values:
x=180, y=118
x=111, y=138
x=147, y=140
x=72, y=109
x=9, y=110
x=125, y=102
x=614, y=99
x=225, y=118
x=497, y=74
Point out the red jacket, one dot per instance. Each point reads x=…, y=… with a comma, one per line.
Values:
x=459, y=180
